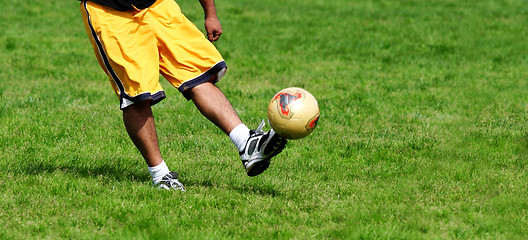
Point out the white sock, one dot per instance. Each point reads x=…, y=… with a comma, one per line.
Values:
x=158, y=172
x=239, y=136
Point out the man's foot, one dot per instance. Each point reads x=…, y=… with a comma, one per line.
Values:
x=170, y=182
x=259, y=149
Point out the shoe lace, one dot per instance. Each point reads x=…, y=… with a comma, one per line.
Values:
x=175, y=184
x=172, y=182
x=261, y=125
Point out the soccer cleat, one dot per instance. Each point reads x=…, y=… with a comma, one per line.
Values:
x=259, y=149
x=170, y=182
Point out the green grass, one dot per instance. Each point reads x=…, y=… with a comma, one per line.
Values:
x=423, y=129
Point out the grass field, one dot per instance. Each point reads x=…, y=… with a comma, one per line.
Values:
x=423, y=129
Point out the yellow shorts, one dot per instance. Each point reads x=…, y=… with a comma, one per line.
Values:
x=134, y=47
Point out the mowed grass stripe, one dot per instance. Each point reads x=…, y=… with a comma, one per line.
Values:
x=422, y=132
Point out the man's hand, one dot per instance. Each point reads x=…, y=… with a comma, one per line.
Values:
x=212, y=24
x=213, y=28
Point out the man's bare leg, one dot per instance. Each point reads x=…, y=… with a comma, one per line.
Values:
x=139, y=123
x=215, y=106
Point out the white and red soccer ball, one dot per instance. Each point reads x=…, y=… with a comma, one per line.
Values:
x=293, y=113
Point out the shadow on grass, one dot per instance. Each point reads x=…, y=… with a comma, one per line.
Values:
x=117, y=172
x=255, y=188
x=111, y=171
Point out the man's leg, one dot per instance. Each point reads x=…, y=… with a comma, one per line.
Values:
x=139, y=123
x=214, y=105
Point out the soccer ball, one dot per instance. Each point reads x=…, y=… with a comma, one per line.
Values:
x=293, y=113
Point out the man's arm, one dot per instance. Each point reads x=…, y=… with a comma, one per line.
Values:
x=212, y=24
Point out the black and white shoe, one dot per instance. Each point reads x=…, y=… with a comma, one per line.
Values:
x=170, y=182
x=259, y=149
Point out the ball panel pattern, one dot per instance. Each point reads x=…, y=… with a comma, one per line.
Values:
x=293, y=113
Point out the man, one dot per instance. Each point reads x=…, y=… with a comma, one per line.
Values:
x=135, y=41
